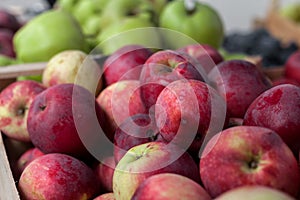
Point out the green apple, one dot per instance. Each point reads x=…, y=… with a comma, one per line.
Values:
x=37, y=78
x=202, y=23
x=5, y=61
x=48, y=34
x=67, y=5
x=137, y=30
x=291, y=11
x=83, y=10
x=117, y=10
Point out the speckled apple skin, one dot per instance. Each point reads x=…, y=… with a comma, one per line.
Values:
x=17, y=95
x=57, y=176
x=278, y=109
x=148, y=159
x=292, y=67
x=125, y=63
x=27, y=157
x=239, y=82
x=106, y=196
x=168, y=186
x=228, y=155
x=51, y=119
x=162, y=68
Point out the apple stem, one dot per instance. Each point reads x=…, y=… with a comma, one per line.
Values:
x=190, y=5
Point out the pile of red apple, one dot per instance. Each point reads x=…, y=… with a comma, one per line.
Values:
x=156, y=124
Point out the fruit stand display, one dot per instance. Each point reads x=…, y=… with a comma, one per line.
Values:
x=149, y=102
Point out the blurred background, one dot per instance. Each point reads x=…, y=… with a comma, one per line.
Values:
x=237, y=15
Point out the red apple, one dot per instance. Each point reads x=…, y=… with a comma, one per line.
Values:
x=292, y=66
x=239, y=82
x=57, y=176
x=125, y=63
x=63, y=116
x=106, y=196
x=148, y=159
x=27, y=157
x=162, y=68
x=15, y=101
x=9, y=21
x=254, y=192
x=104, y=171
x=6, y=42
x=187, y=111
x=167, y=186
x=248, y=155
x=205, y=54
x=120, y=100
x=278, y=109
x=136, y=130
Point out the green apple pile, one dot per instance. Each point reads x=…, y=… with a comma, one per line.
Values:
x=291, y=11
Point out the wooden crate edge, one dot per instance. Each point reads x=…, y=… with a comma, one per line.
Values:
x=8, y=189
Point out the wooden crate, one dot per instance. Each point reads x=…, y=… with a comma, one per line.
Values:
x=8, y=189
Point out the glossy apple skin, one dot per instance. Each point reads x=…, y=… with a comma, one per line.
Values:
x=106, y=196
x=186, y=111
x=138, y=129
x=27, y=157
x=205, y=54
x=278, y=109
x=57, y=176
x=292, y=66
x=239, y=82
x=104, y=171
x=125, y=63
x=148, y=159
x=167, y=186
x=248, y=155
x=162, y=68
x=119, y=101
x=15, y=100
x=254, y=192
x=54, y=121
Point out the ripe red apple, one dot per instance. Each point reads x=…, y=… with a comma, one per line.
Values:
x=15, y=100
x=136, y=130
x=106, y=196
x=162, y=68
x=167, y=186
x=119, y=101
x=248, y=155
x=58, y=176
x=254, y=192
x=6, y=42
x=205, y=54
x=104, y=171
x=148, y=159
x=125, y=63
x=187, y=111
x=60, y=117
x=27, y=157
x=278, y=109
x=239, y=82
x=292, y=66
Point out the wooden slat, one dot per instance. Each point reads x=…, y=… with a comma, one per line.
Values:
x=14, y=71
x=8, y=190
